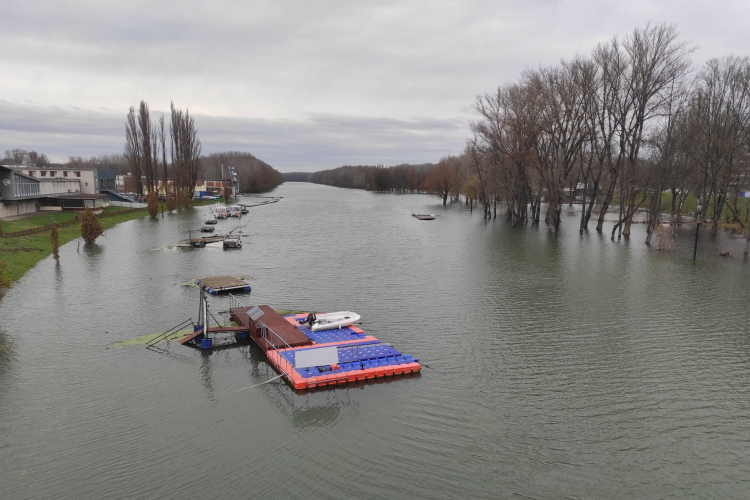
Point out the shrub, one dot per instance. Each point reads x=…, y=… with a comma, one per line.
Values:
x=187, y=200
x=171, y=201
x=4, y=282
x=91, y=228
x=153, y=205
x=664, y=238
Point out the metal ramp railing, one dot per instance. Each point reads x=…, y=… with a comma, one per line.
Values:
x=234, y=302
x=151, y=344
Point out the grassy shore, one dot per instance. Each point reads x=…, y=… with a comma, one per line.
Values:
x=22, y=253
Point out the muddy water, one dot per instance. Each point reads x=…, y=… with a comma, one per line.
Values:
x=555, y=368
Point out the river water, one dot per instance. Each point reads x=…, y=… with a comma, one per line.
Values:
x=575, y=367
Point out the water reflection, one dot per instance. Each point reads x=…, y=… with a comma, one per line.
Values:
x=206, y=373
x=6, y=351
x=317, y=416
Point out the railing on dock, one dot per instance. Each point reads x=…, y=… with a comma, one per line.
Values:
x=234, y=303
x=282, y=360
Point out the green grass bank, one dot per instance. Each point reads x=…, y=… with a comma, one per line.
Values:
x=22, y=253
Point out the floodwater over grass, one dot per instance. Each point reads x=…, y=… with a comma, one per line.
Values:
x=570, y=367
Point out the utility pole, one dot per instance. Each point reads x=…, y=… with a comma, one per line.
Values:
x=700, y=209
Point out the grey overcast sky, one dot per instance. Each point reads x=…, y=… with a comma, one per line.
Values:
x=303, y=85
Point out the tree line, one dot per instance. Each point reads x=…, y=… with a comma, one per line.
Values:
x=30, y=159
x=631, y=121
x=633, y=125
x=404, y=178
x=253, y=175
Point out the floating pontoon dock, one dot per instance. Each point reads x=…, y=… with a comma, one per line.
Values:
x=218, y=284
x=338, y=357
x=309, y=359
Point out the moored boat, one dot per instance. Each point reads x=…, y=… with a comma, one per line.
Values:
x=331, y=321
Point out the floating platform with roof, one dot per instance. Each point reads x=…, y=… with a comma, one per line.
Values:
x=306, y=359
x=219, y=284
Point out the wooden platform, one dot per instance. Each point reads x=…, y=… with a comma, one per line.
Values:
x=273, y=320
x=187, y=338
x=216, y=284
x=201, y=242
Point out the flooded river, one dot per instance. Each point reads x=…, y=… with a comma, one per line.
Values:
x=574, y=367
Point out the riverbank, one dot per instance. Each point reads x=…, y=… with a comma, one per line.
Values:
x=24, y=252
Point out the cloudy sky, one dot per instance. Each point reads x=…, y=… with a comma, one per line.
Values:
x=303, y=85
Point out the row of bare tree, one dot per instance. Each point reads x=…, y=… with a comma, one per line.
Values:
x=17, y=156
x=626, y=121
x=146, y=149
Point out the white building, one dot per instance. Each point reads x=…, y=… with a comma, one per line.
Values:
x=92, y=180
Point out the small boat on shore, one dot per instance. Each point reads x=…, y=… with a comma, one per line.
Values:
x=331, y=321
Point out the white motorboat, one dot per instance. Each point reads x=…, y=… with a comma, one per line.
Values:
x=331, y=321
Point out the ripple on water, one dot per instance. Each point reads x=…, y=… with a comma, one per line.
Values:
x=553, y=368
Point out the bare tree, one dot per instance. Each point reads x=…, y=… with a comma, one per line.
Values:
x=664, y=142
x=146, y=134
x=563, y=128
x=133, y=151
x=640, y=72
x=441, y=181
x=162, y=142
x=186, y=151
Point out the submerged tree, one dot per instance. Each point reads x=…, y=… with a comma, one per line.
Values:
x=171, y=201
x=440, y=181
x=55, y=237
x=4, y=282
x=91, y=228
x=187, y=198
x=153, y=206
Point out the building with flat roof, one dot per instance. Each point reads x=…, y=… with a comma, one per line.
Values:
x=19, y=193
x=24, y=193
